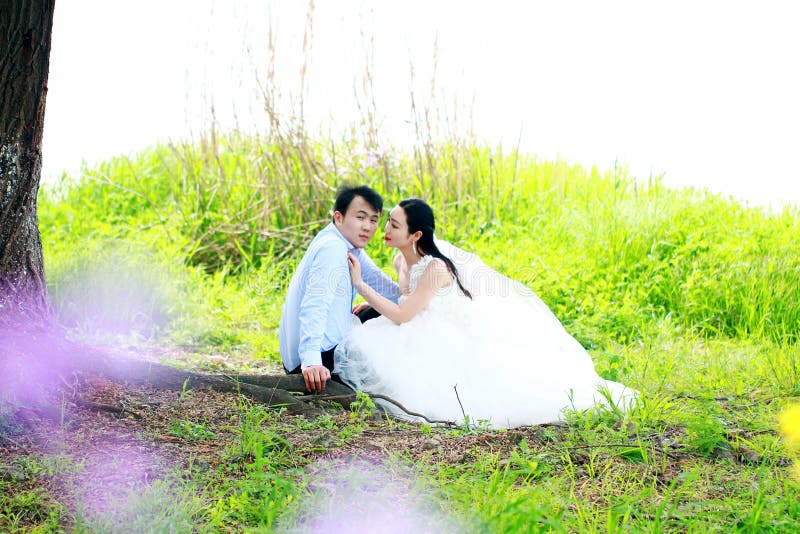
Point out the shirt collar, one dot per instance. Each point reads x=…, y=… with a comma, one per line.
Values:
x=336, y=231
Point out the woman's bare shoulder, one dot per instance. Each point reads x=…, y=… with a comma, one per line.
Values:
x=436, y=265
x=438, y=272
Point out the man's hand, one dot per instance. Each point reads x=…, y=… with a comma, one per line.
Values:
x=315, y=377
x=360, y=307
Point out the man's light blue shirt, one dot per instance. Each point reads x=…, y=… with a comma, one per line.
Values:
x=319, y=301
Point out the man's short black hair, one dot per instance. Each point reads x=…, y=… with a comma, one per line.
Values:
x=346, y=193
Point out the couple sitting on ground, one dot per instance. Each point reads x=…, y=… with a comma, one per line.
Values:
x=451, y=339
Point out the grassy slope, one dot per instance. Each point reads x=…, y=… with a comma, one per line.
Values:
x=686, y=296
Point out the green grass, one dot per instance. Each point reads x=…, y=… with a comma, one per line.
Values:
x=608, y=254
x=688, y=297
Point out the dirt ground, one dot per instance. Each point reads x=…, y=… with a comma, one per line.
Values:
x=99, y=440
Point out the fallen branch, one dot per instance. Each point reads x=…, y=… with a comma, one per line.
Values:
x=9, y=439
x=352, y=397
x=100, y=407
x=409, y=412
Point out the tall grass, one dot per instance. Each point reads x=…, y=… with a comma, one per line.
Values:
x=609, y=254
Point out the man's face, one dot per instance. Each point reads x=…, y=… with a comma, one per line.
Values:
x=359, y=223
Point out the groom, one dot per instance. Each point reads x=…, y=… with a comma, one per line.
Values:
x=316, y=313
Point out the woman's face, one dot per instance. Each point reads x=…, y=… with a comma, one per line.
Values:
x=397, y=235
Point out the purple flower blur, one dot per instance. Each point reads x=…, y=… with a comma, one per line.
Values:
x=358, y=496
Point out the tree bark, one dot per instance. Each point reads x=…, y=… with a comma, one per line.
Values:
x=25, y=34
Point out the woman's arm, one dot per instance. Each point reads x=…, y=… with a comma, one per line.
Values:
x=402, y=273
x=376, y=278
x=435, y=277
x=398, y=262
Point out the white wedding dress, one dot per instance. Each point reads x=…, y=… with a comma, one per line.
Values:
x=502, y=358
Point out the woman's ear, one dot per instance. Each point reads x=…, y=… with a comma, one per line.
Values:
x=416, y=236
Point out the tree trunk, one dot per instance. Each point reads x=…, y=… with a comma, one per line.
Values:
x=25, y=31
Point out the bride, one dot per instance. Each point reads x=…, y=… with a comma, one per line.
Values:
x=465, y=341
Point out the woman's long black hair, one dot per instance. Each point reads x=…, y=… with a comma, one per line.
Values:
x=419, y=217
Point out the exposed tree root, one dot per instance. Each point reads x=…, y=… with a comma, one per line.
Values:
x=350, y=398
x=60, y=358
x=101, y=407
x=272, y=390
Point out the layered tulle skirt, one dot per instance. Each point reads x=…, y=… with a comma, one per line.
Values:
x=501, y=360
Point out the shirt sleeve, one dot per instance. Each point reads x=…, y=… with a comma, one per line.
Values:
x=376, y=278
x=327, y=276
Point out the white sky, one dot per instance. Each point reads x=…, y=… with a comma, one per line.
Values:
x=704, y=92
